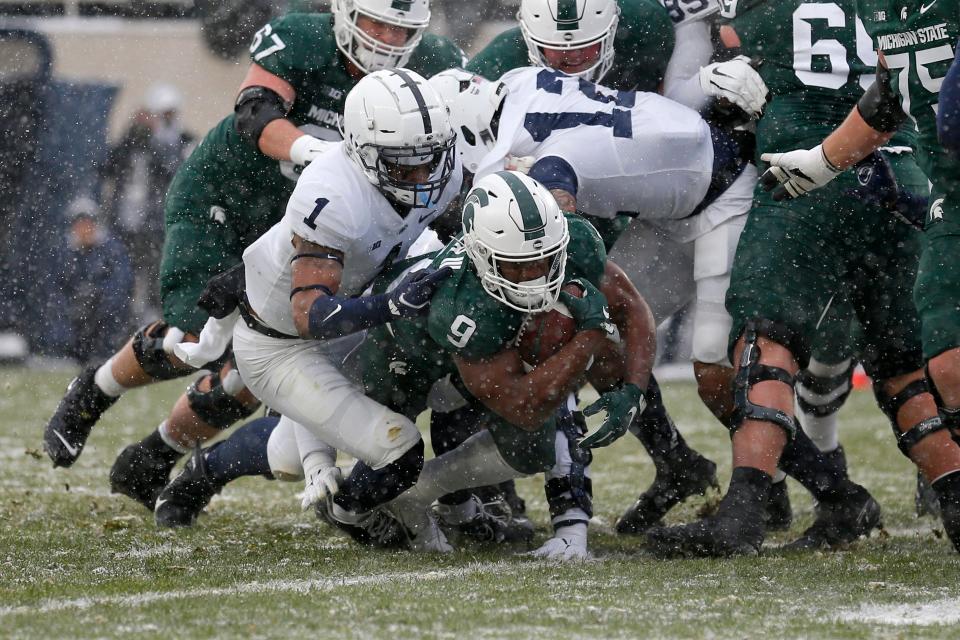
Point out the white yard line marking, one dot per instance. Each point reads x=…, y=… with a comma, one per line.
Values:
x=270, y=586
x=929, y=613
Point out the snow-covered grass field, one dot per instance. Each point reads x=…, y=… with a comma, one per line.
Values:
x=78, y=562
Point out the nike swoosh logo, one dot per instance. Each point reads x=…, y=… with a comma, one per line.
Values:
x=925, y=7
x=425, y=216
x=409, y=304
x=332, y=313
x=73, y=451
x=159, y=504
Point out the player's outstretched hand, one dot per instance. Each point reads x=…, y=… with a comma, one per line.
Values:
x=737, y=81
x=590, y=310
x=621, y=406
x=411, y=298
x=795, y=173
x=323, y=482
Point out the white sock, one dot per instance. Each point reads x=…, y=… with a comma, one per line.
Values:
x=104, y=379
x=169, y=440
x=822, y=430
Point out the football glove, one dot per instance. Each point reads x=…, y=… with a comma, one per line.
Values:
x=589, y=311
x=621, y=406
x=305, y=149
x=878, y=187
x=411, y=298
x=737, y=81
x=795, y=173
x=319, y=484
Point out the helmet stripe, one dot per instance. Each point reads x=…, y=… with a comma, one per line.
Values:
x=401, y=5
x=567, y=18
x=533, y=224
x=418, y=96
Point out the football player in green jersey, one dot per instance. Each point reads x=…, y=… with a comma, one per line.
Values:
x=516, y=251
x=844, y=248
x=233, y=188
x=915, y=42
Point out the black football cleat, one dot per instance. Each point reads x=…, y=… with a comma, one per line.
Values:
x=67, y=431
x=779, y=514
x=141, y=473
x=718, y=536
x=378, y=528
x=925, y=499
x=495, y=522
x=181, y=502
x=840, y=521
x=671, y=486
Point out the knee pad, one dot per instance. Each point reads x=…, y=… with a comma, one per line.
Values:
x=217, y=407
x=151, y=356
x=283, y=455
x=749, y=372
x=890, y=405
x=568, y=485
x=823, y=395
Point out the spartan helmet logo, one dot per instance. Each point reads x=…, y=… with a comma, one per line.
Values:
x=936, y=210
x=477, y=198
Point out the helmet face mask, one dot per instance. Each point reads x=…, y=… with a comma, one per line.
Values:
x=394, y=122
x=367, y=52
x=475, y=105
x=393, y=164
x=569, y=25
x=510, y=219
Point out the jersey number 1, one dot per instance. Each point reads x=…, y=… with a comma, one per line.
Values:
x=311, y=220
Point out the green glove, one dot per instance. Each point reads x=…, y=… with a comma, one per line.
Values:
x=621, y=406
x=590, y=311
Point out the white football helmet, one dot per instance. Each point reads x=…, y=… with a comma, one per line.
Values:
x=509, y=217
x=365, y=51
x=570, y=24
x=475, y=105
x=393, y=118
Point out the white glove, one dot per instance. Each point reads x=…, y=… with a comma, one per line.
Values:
x=523, y=164
x=736, y=81
x=794, y=173
x=320, y=484
x=214, y=340
x=567, y=544
x=305, y=148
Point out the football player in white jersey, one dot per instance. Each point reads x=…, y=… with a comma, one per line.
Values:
x=355, y=209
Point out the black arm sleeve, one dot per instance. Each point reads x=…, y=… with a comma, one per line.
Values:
x=257, y=107
x=879, y=107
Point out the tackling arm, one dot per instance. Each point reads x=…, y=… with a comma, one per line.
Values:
x=320, y=314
